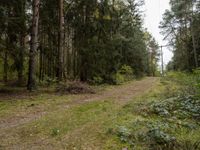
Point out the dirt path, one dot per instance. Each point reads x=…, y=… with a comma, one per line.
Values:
x=121, y=94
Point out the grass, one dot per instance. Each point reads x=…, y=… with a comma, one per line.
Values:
x=44, y=98
x=28, y=104
x=86, y=119
x=92, y=125
x=135, y=130
x=82, y=126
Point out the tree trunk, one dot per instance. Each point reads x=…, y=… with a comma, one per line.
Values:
x=5, y=77
x=21, y=59
x=61, y=40
x=33, y=47
x=193, y=38
x=22, y=41
x=194, y=47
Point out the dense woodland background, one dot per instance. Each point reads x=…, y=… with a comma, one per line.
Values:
x=98, y=41
x=87, y=40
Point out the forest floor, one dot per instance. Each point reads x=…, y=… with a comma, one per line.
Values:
x=54, y=121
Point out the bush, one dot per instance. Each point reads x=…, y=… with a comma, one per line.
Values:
x=118, y=78
x=124, y=134
x=159, y=137
x=97, y=80
x=127, y=71
x=123, y=75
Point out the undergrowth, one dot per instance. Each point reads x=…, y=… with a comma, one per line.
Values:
x=75, y=88
x=170, y=119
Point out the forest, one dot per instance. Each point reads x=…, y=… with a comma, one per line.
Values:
x=89, y=75
x=90, y=41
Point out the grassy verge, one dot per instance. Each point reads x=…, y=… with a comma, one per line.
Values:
x=166, y=118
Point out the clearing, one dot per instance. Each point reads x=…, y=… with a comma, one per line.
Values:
x=52, y=121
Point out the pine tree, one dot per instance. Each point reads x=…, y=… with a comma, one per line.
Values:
x=33, y=47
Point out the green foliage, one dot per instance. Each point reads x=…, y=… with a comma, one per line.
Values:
x=188, y=81
x=97, y=80
x=148, y=132
x=55, y=132
x=123, y=75
x=152, y=55
x=184, y=39
x=188, y=145
x=164, y=120
x=124, y=134
x=181, y=107
x=47, y=81
x=196, y=81
x=127, y=71
x=118, y=78
x=159, y=137
x=101, y=37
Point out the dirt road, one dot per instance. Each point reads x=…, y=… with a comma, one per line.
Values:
x=120, y=94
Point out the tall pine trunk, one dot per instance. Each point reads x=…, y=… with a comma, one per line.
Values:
x=61, y=40
x=21, y=59
x=193, y=37
x=33, y=47
x=22, y=42
x=5, y=76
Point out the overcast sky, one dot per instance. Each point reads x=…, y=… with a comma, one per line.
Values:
x=153, y=15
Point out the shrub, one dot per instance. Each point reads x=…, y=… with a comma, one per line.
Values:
x=118, y=78
x=97, y=80
x=124, y=134
x=159, y=137
x=123, y=75
x=127, y=71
